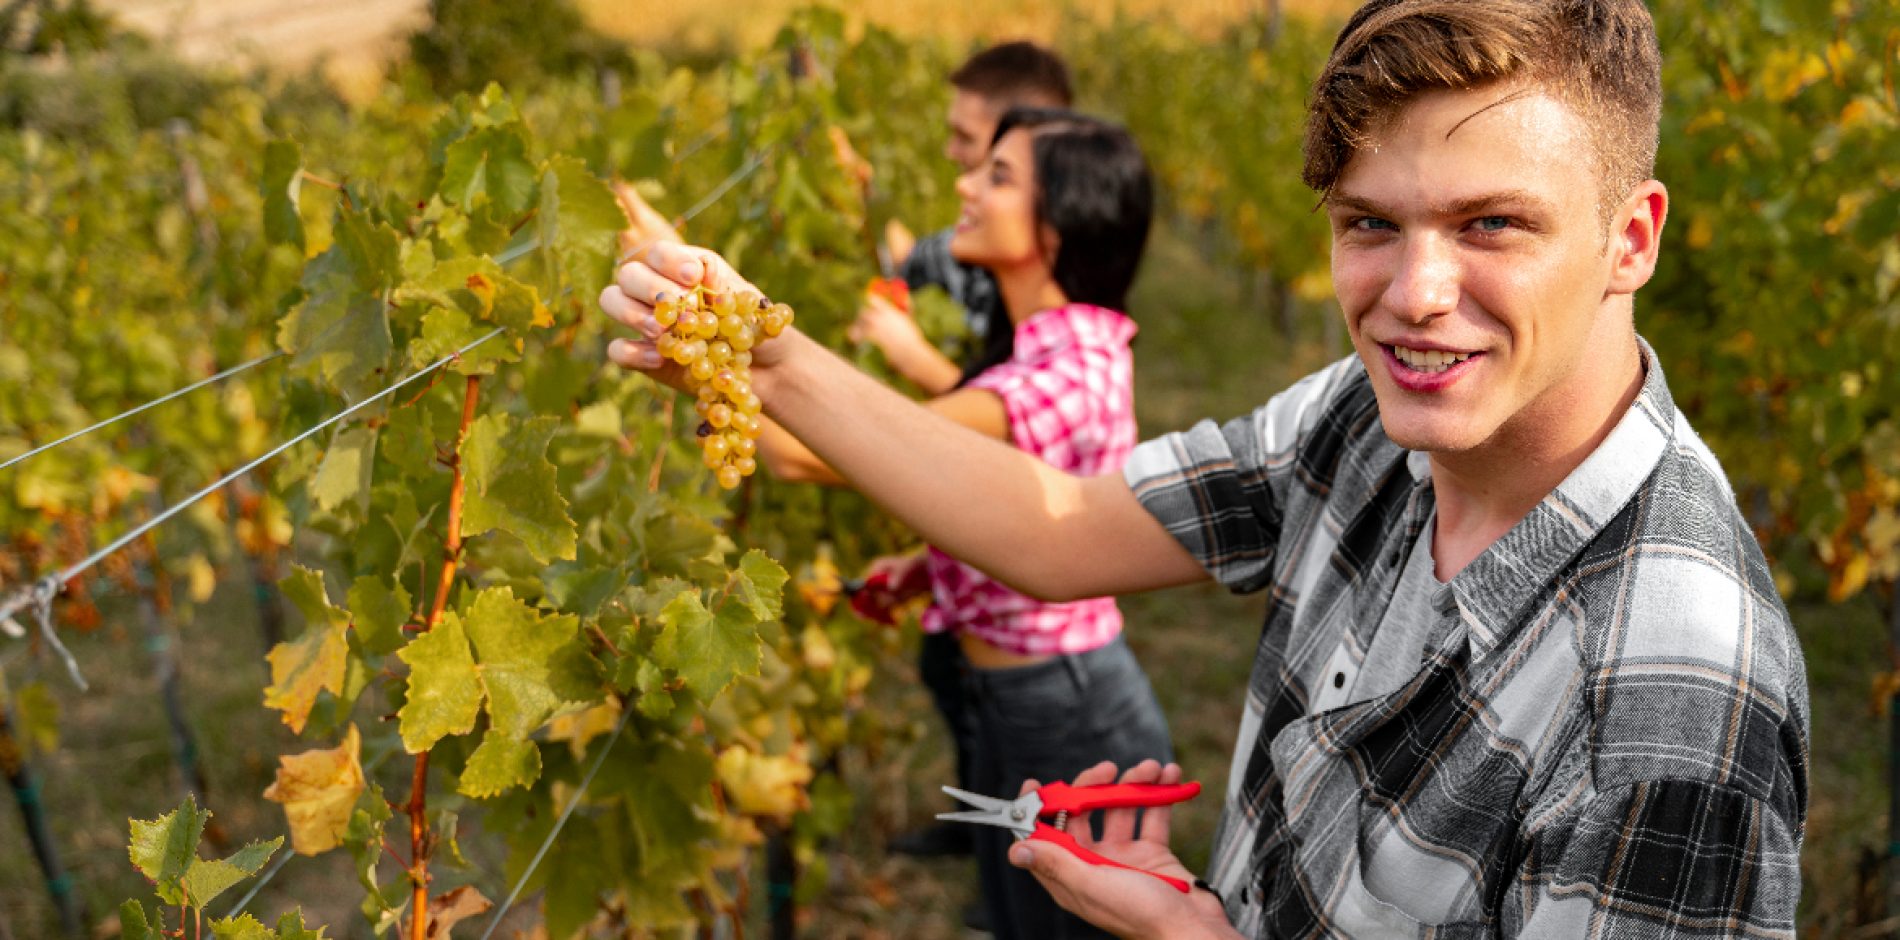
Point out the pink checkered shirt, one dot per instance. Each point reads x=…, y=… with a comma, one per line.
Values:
x=1069, y=392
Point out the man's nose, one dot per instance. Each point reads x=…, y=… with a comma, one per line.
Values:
x=1427, y=282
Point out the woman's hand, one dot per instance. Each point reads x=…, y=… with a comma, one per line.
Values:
x=1128, y=904
x=669, y=269
x=896, y=334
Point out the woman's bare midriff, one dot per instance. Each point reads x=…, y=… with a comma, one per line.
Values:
x=984, y=655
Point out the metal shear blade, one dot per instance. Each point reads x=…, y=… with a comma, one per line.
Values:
x=990, y=811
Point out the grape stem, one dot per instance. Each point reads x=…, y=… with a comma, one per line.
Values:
x=419, y=784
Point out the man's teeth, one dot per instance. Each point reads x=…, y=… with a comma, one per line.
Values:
x=1428, y=360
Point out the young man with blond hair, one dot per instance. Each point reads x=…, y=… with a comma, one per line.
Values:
x=1524, y=671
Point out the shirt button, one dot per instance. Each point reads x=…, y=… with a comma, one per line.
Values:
x=1339, y=680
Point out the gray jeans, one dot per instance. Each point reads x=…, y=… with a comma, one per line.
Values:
x=1051, y=721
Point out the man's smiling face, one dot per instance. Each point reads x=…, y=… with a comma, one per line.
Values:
x=1474, y=268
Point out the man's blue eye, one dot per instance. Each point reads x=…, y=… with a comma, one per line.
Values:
x=1373, y=225
x=1493, y=223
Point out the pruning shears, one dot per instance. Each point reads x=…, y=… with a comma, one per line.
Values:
x=1023, y=815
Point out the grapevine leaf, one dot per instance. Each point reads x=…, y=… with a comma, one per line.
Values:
x=444, y=697
x=37, y=713
x=766, y=785
x=446, y=330
x=207, y=879
x=500, y=764
x=134, y=924
x=379, y=610
x=493, y=163
x=343, y=334
x=578, y=728
x=241, y=927
x=512, y=487
x=707, y=649
x=283, y=174
x=364, y=837
x=452, y=907
x=344, y=476
x=478, y=287
x=759, y=583
x=669, y=806
x=164, y=849
x=528, y=664
x=579, y=218
x=655, y=702
x=576, y=878
x=290, y=927
x=600, y=419
x=341, y=326
x=315, y=661
x=319, y=790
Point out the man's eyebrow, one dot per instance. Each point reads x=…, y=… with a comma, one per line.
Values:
x=1509, y=199
x=1519, y=199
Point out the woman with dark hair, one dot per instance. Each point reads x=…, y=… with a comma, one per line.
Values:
x=1059, y=213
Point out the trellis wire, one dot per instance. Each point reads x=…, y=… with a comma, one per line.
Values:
x=40, y=595
x=626, y=712
x=154, y=403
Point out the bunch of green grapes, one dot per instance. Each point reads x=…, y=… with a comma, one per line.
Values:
x=712, y=334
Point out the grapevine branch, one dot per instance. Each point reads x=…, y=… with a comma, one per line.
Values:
x=419, y=785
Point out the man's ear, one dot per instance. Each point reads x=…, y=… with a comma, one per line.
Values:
x=1636, y=236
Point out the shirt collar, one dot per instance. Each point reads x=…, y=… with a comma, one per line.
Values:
x=1071, y=324
x=1493, y=593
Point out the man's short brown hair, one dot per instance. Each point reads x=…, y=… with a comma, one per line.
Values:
x=1016, y=74
x=1598, y=56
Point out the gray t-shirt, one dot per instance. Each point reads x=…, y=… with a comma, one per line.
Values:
x=1392, y=659
x=1400, y=640
x=930, y=264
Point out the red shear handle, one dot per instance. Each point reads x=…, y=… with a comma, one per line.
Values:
x=1048, y=833
x=1059, y=797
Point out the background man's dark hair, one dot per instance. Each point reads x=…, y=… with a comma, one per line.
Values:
x=1016, y=73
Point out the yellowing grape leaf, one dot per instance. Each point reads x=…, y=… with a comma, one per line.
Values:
x=240, y=927
x=511, y=485
x=479, y=288
x=444, y=696
x=499, y=764
x=447, y=331
x=530, y=665
x=578, y=728
x=318, y=790
x=315, y=661
x=764, y=785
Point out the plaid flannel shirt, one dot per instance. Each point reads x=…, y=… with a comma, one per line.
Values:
x=1608, y=732
x=1068, y=392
